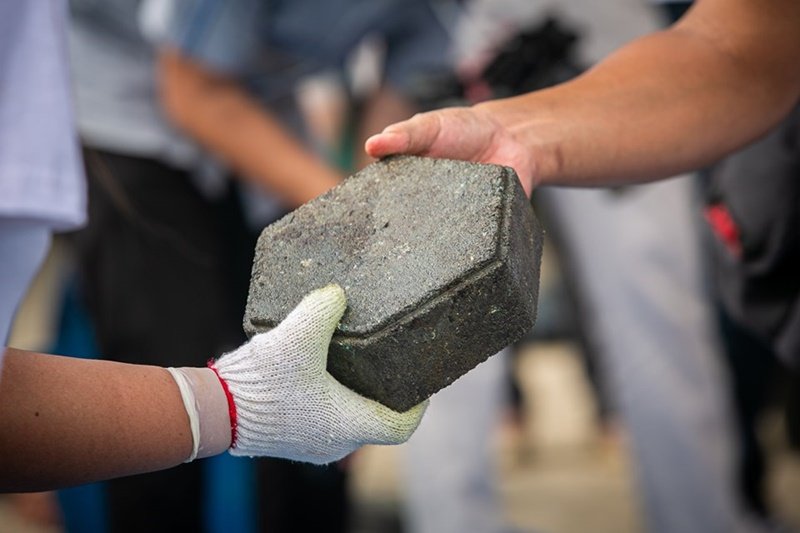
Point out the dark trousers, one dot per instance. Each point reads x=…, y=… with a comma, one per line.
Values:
x=164, y=274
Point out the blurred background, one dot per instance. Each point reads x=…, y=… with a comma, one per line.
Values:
x=634, y=405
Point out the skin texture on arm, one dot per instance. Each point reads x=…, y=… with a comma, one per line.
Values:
x=220, y=115
x=67, y=421
x=669, y=102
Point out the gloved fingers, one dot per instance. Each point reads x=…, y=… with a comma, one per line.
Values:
x=309, y=327
x=374, y=422
x=392, y=427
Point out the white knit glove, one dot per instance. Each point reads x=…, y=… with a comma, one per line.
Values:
x=287, y=405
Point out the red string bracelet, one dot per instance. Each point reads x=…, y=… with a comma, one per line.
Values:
x=231, y=405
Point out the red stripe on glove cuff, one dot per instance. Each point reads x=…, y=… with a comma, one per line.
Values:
x=231, y=405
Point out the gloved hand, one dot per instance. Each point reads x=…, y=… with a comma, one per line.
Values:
x=285, y=403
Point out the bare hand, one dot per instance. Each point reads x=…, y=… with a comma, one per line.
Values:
x=466, y=133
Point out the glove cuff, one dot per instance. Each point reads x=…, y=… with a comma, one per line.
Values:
x=231, y=405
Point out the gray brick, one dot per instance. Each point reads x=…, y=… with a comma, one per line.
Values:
x=439, y=260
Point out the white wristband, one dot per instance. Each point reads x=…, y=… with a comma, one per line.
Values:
x=190, y=403
x=206, y=406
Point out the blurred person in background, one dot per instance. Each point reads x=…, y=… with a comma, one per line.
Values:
x=751, y=210
x=635, y=249
x=164, y=260
x=41, y=181
x=735, y=215
x=626, y=250
x=566, y=123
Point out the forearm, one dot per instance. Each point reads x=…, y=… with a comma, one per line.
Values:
x=232, y=125
x=68, y=421
x=672, y=101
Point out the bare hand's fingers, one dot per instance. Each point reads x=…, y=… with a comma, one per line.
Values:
x=413, y=136
x=466, y=133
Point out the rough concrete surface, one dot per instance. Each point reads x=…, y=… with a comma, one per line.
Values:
x=439, y=261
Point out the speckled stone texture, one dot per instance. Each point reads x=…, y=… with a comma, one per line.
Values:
x=439, y=260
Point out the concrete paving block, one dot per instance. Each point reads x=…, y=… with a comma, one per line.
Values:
x=439, y=261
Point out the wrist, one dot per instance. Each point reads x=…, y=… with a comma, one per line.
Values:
x=207, y=407
x=527, y=121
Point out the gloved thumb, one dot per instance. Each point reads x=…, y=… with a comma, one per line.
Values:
x=310, y=326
